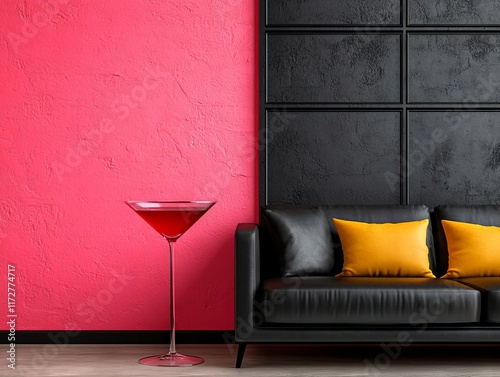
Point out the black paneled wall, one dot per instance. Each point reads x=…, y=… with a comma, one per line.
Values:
x=380, y=101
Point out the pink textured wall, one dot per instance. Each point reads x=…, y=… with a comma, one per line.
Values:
x=107, y=101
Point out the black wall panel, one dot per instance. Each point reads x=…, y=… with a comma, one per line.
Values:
x=383, y=101
x=328, y=12
x=454, y=157
x=333, y=68
x=453, y=12
x=454, y=68
x=334, y=157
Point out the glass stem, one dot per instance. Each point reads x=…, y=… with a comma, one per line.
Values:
x=172, y=300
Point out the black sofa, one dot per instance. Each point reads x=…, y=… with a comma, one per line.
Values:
x=273, y=308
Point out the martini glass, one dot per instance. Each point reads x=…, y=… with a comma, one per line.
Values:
x=171, y=219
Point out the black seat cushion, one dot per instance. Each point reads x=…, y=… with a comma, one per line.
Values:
x=370, y=300
x=490, y=295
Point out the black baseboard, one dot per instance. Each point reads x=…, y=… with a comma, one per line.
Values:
x=117, y=337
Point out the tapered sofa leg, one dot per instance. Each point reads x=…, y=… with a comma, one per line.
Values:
x=241, y=353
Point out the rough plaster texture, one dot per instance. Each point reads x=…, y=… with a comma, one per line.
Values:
x=354, y=158
x=333, y=68
x=340, y=12
x=444, y=169
x=105, y=101
x=335, y=157
x=454, y=68
x=453, y=12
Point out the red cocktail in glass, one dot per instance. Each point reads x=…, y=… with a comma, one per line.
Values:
x=171, y=219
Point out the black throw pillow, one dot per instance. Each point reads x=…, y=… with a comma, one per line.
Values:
x=303, y=239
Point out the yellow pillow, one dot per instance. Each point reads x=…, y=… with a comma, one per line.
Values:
x=473, y=249
x=384, y=249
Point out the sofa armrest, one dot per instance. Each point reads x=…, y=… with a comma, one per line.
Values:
x=247, y=278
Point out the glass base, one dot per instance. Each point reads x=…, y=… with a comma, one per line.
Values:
x=171, y=360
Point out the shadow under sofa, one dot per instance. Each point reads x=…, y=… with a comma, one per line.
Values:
x=272, y=308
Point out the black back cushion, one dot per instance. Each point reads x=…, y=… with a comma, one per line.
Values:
x=302, y=238
x=318, y=237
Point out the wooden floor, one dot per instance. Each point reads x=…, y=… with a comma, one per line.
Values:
x=260, y=360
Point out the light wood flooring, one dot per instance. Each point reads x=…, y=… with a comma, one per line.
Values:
x=260, y=360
